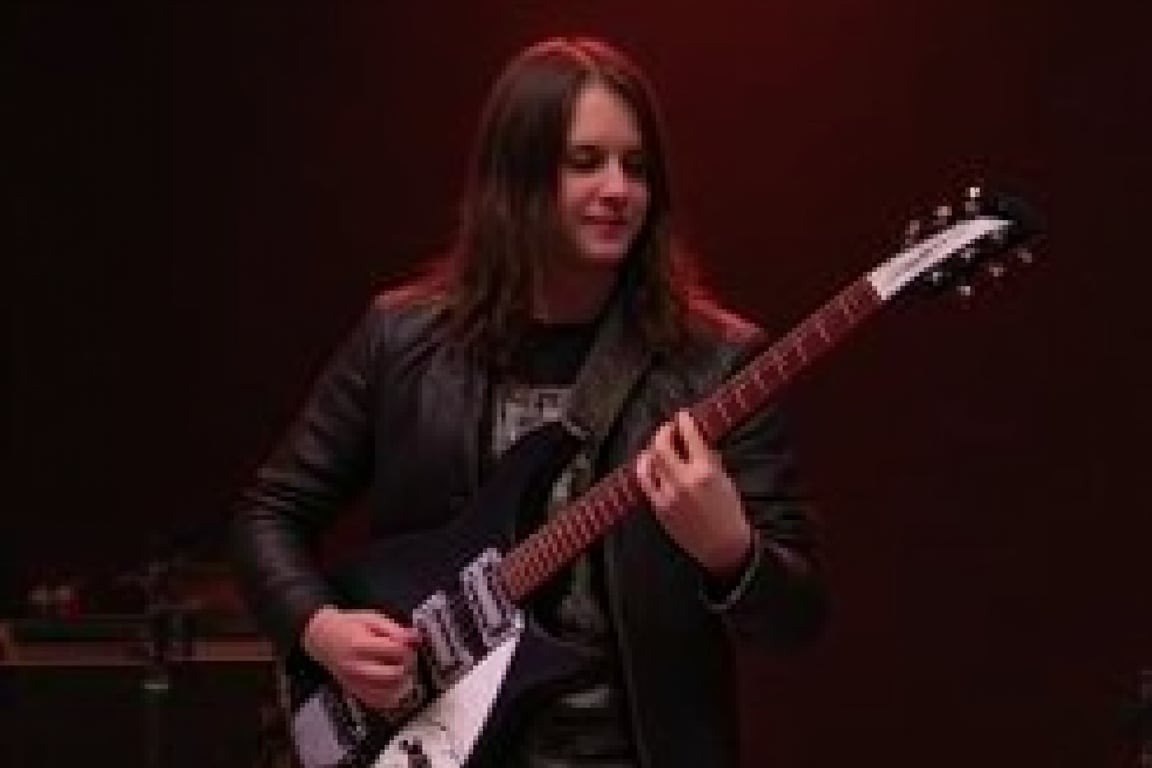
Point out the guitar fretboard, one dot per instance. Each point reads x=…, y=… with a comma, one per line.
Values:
x=580, y=523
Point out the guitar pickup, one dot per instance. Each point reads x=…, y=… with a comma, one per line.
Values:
x=448, y=658
x=495, y=615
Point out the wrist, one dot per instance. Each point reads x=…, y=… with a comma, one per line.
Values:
x=730, y=563
x=312, y=638
x=723, y=591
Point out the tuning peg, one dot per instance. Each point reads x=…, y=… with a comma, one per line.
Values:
x=996, y=269
x=942, y=216
x=973, y=200
x=965, y=290
x=913, y=230
x=1024, y=256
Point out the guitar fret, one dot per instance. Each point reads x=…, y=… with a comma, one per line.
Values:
x=536, y=561
x=591, y=526
x=588, y=520
x=714, y=413
x=758, y=377
x=833, y=323
x=575, y=523
x=781, y=369
x=615, y=501
x=723, y=413
x=797, y=345
x=556, y=546
x=506, y=574
x=629, y=489
x=583, y=522
x=501, y=579
x=606, y=503
x=575, y=537
x=592, y=517
x=618, y=500
x=818, y=321
x=843, y=299
x=738, y=391
x=525, y=575
x=750, y=391
x=513, y=577
x=563, y=535
x=864, y=296
x=709, y=416
x=552, y=548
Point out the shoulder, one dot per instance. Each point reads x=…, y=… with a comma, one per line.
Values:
x=715, y=324
x=718, y=338
x=718, y=342
x=408, y=304
x=412, y=299
x=403, y=315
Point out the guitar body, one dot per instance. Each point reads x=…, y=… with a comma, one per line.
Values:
x=464, y=721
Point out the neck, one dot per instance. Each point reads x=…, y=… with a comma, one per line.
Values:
x=571, y=296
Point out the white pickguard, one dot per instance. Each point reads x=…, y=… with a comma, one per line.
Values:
x=448, y=727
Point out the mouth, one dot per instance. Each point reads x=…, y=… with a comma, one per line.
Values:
x=607, y=227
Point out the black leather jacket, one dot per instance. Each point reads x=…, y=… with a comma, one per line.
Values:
x=398, y=414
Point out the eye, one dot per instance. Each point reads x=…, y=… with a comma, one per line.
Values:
x=583, y=158
x=635, y=164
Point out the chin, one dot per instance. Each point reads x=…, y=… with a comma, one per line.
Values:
x=605, y=256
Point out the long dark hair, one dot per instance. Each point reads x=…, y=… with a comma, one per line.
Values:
x=508, y=213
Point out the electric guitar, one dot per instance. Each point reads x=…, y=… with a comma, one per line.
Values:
x=462, y=586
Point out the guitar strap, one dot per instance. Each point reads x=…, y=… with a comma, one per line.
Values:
x=614, y=365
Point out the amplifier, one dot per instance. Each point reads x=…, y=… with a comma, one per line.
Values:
x=101, y=698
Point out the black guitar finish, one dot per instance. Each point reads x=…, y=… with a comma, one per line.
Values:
x=396, y=575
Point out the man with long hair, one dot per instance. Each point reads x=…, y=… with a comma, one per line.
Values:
x=565, y=282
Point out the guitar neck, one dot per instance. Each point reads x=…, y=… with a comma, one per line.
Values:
x=582, y=522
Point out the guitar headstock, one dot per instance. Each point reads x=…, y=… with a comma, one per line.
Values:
x=961, y=245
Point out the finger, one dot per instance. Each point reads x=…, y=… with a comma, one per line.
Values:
x=667, y=455
x=662, y=441
x=649, y=479
x=388, y=675
x=642, y=467
x=388, y=652
x=382, y=687
x=384, y=626
x=666, y=469
x=371, y=676
x=646, y=474
x=690, y=436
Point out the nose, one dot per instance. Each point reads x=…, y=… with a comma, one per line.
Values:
x=614, y=184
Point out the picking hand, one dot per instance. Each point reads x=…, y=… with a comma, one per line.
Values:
x=372, y=657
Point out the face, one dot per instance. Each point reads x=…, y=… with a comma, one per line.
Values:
x=603, y=195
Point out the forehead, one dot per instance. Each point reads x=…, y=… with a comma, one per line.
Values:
x=600, y=115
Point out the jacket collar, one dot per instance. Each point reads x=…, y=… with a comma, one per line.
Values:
x=615, y=363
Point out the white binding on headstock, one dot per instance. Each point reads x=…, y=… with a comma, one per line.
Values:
x=893, y=275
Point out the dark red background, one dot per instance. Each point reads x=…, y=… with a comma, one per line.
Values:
x=205, y=196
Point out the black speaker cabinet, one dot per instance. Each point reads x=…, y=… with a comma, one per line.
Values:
x=86, y=704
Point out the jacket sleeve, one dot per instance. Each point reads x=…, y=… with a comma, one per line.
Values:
x=779, y=597
x=320, y=465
